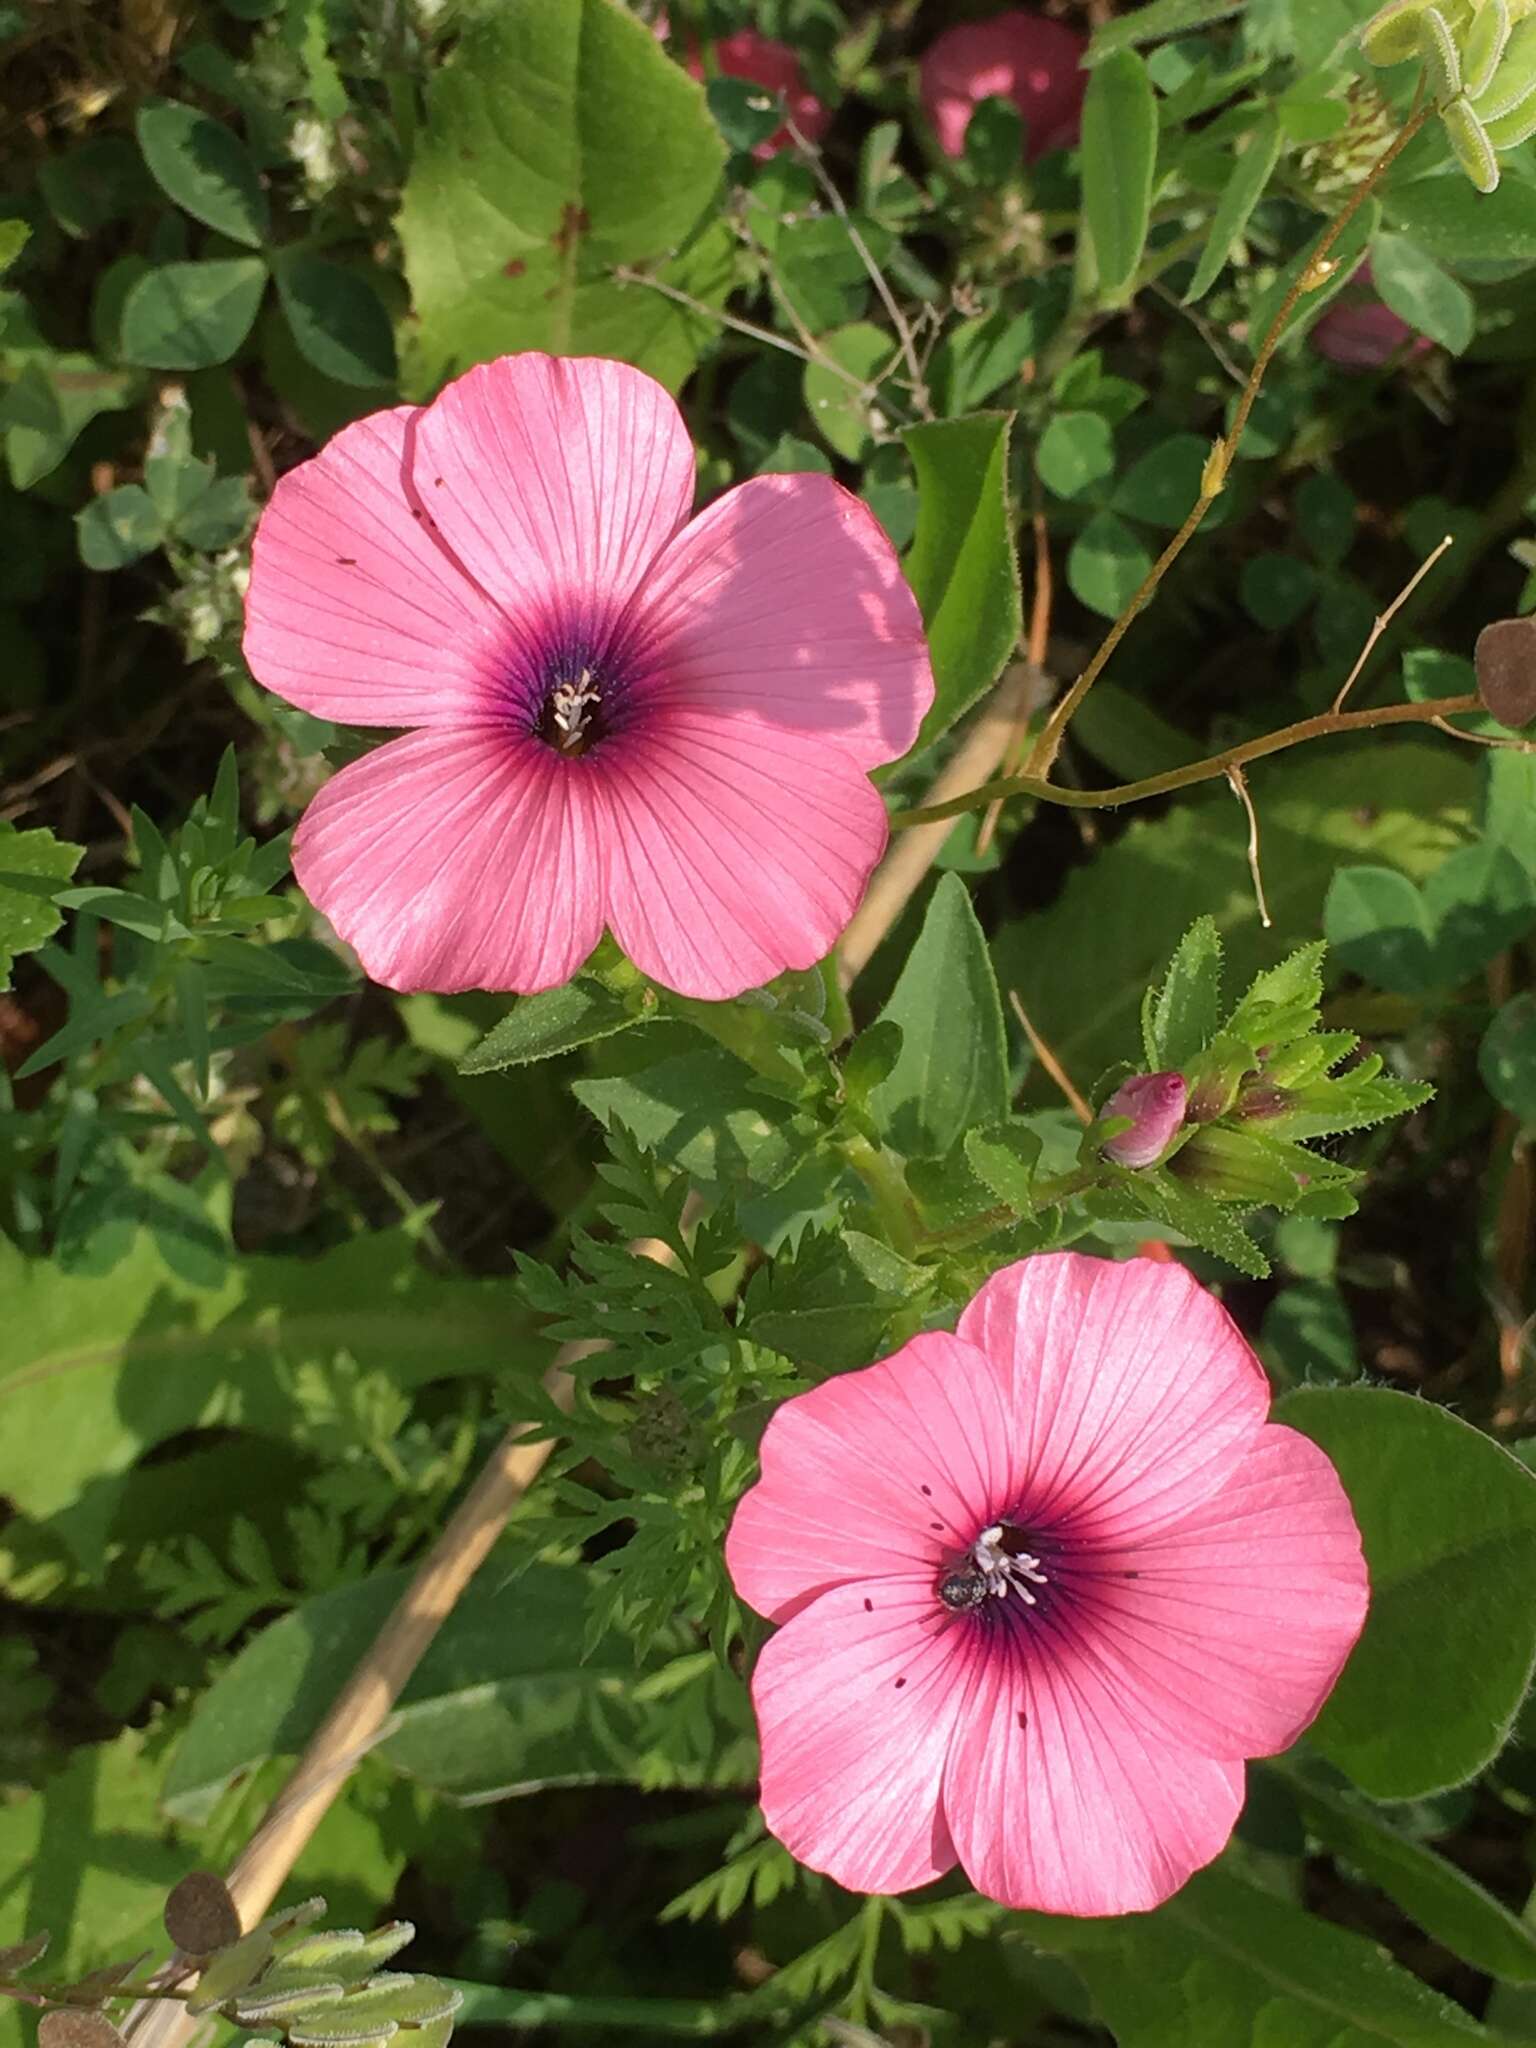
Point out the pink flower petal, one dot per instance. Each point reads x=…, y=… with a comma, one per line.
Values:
x=353, y=612
x=1134, y=1395
x=783, y=604
x=1240, y=1617
x=732, y=854
x=875, y=1475
x=557, y=482
x=457, y=860
x=1061, y=1799
x=857, y=1701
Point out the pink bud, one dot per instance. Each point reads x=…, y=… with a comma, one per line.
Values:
x=1020, y=56
x=1155, y=1104
x=1359, y=333
x=762, y=61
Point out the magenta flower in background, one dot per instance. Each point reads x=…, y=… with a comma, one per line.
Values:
x=617, y=715
x=762, y=61
x=1018, y=55
x=1042, y=1586
x=1155, y=1103
x=1359, y=333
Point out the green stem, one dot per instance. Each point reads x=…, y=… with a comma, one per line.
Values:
x=1326, y=723
x=887, y=1190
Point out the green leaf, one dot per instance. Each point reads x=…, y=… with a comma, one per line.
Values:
x=28, y=920
x=14, y=236
x=1376, y=923
x=1240, y=195
x=1277, y=589
x=962, y=565
x=978, y=357
x=1162, y=485
x=184, y=316
x=830, y=1303
x=46, y=409
x=510, y=1697
x=1448, y=1521
x=1005, y=1157
x=219, y=517
x=527, y=187
x=337, y=320
x=847, y=416
x=1506, y=1059
x=1157, y=19
x=119, y=527
x=1119, y=151
x=540, y=1027
x=952, y=1070
x=1224, y=1962
x=101, y=1367
x=205, y=168
x=1450, y=1906
x=1181, y=1018
x=698, y=1107
x=1081, y=965
x=1077, y=449
x=1107, y=564
x=1420, y=292
x=1464, y=229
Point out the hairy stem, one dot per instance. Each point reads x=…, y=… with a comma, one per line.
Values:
x=1214, y=766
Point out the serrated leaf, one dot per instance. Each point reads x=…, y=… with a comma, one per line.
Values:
x=28, y=919
x=1005, y=1157
x=543, y=1026
x=1181, y=1018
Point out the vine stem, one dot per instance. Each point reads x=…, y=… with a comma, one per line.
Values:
x=1324, y=725
x=1213, y=481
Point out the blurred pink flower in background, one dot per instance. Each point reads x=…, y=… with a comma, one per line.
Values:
x=1359, y=333
x=762, y=61
x=1042, y=1586
x=1021, y=56
x=617, y=715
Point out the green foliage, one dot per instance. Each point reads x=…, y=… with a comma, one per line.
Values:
x=962, y=566
x=284, y=1255
x=1432, y=1689
x=525, y=192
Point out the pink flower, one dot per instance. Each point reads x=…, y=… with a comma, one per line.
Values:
x=762, y=61
x=1359, y=333
x=1020, y=56
x=617, y=715
x=1043, y=1586
x=1155, y=1103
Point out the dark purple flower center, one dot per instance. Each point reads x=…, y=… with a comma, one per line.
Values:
x=572, y=717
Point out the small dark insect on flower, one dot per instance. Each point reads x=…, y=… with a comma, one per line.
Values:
x=963, y=1589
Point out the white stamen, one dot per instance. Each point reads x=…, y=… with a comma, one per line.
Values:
x=571, y=703
x=1006, y=1571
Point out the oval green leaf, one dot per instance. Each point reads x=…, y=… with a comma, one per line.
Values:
x=1448, y=1521
x=205, y=168
x=337, y=320
x=185, y=316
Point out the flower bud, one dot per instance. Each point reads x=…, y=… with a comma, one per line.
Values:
x=1155, y=1104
